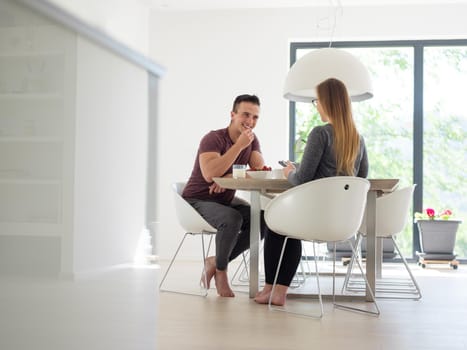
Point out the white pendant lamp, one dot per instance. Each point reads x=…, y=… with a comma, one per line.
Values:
x=321, y=64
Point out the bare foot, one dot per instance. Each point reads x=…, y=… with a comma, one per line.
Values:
x=278, y=298
x=266, y=290
x=208, y=272
x=222, y=284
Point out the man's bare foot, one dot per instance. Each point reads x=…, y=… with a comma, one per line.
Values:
x=222, y=284
x=208, y=272
x=278, y=298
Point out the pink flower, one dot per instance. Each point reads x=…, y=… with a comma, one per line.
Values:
x=430, y=212
x=447, y=212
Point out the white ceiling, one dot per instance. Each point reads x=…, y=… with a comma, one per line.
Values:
x=193, y=5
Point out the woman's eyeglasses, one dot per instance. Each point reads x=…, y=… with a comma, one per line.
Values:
x=314, y=102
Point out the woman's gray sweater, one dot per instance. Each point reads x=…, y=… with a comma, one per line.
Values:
x=318, y=158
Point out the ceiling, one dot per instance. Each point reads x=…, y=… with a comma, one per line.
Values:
x=197, y=5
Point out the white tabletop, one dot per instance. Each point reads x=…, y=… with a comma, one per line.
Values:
x=248, y=184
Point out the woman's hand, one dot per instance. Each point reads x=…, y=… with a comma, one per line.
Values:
x=290, y=167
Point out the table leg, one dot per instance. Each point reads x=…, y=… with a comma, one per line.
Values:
x=379, y=259
x=255, y=227
x=371, y=242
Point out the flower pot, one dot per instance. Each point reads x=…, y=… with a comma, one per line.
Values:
x=438, y=237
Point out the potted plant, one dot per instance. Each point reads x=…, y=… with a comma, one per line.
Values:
x=437, y=236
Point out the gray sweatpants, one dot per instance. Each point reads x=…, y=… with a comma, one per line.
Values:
x=233, y=227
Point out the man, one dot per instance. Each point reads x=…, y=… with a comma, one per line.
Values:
x=217, y=152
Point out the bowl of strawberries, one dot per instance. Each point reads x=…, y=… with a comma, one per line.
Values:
x=260, y=173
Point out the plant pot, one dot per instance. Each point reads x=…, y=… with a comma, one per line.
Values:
x=438, y=237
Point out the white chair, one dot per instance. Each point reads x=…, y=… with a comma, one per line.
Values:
x=241, y=276
x=324, y=210
x=392, y=212
x=194, y=225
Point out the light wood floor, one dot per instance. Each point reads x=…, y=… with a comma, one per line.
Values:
x=437, y=321
x=106, y=310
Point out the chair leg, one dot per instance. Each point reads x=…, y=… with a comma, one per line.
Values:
x=204, y=292
x=172, y=261
x=357, y=247
x=346, y=307
x=414, y=281
x=300, y=275
x=205, y=286
x=272, y=307
x=242, y=270
x=246, y=271
x=241, y=276
x=317, y=283
x=387, y=289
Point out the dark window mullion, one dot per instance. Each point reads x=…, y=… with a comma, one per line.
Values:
x=293, y=58
x=418, y=140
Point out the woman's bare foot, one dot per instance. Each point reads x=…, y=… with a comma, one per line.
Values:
x=208, y=272
x=222, y=284
x=266, y=290
x=278, y=298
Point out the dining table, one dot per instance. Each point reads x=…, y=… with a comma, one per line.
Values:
x=270, y=187
x=256, y=187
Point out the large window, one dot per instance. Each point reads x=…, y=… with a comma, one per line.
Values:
x=414, y=127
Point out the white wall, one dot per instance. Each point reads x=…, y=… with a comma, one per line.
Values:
x=105, y=180
x=90, y=141
x=212, y=56
x=125, y=20
x=110, y=158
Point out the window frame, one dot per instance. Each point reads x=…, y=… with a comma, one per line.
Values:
x=418, y=47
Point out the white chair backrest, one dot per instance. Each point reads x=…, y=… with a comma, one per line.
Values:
x=327, y=209
x=392, y=211
x=187, y=216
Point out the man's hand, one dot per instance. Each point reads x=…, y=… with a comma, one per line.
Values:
x=246, y=137
x=215, y=188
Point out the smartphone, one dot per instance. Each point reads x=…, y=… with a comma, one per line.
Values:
x=284, y=163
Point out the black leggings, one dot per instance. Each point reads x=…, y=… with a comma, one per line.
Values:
x=272, y=251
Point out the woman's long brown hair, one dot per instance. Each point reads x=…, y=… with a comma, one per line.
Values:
x=335, y=103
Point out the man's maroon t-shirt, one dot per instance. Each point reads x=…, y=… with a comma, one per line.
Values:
x=215, y=141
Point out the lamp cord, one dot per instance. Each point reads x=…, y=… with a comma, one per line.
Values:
x=338, y=10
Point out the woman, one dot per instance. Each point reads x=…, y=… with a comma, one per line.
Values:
x=333, y=149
